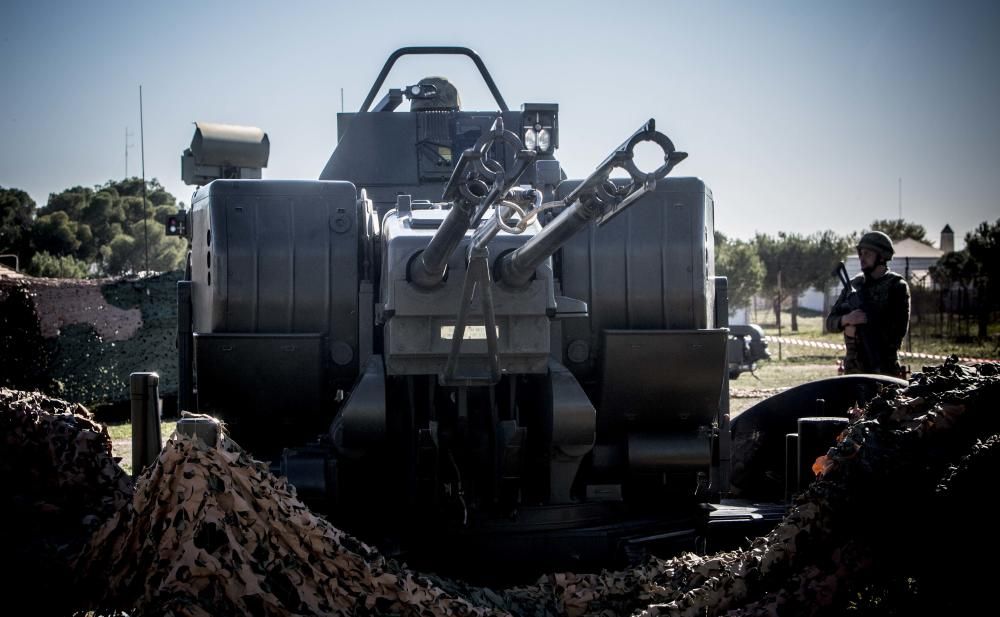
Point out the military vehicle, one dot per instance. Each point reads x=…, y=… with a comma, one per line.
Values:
x=747, y=347
x=465, y=355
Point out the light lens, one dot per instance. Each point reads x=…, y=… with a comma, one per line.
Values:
x=544, y=140
x=530, y=139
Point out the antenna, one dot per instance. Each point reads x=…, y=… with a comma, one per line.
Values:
x=341, y=100
x=142, y=151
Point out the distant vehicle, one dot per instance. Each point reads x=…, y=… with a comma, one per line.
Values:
x=747, y=347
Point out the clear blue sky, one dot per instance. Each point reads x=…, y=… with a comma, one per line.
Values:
x=801, y=116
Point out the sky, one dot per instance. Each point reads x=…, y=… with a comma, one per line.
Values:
x=801, y=116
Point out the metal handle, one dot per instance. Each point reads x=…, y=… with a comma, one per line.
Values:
x=611, y=198
x=596, y=198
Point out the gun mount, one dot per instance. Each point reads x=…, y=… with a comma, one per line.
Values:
x=485, y=204
x=481, y=355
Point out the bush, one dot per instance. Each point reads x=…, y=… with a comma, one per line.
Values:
x=64, y=267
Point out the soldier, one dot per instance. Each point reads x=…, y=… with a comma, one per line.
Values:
x=445, y=97
x=874, y=313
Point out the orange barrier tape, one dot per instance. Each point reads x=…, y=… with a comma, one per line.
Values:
x=840, y=347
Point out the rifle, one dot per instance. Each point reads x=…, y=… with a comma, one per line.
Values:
x=854, y=301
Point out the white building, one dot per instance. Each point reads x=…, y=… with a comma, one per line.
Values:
x=912, y=259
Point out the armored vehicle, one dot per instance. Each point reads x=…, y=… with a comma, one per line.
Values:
x=462, y=353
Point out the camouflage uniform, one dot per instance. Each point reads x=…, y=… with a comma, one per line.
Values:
x=886, y=302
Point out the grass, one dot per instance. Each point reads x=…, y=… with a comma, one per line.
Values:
x=811, y=328
x=121, y=440
x=773, y=374
x=802, y=364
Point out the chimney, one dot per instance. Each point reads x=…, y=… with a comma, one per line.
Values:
x=947, y=239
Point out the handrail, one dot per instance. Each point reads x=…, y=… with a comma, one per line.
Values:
x=416, y=51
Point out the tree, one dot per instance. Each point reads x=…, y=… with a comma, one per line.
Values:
x=787, y=275
x=738, y=261
x=898, y=229
x=127, y=254
x=106, y=226
x=826, y=250
x=17, y=212
x=63, y=267
x=954, y=268
x=55, y=234
x=119, y=256
x=803, y=261
x=71, y=201
x=983, y=246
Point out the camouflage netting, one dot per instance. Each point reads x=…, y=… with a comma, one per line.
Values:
x=60, y=484
x=894, y=526
x=80, y=339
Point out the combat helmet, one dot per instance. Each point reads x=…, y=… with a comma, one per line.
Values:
x=878, y=242
x=445, y=98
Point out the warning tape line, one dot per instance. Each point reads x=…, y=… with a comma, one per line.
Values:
x=840, y=347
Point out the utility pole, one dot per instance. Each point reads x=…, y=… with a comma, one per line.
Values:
x=142, y=154
x=779, y=314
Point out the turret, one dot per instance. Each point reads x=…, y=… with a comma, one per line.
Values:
x=947, y=239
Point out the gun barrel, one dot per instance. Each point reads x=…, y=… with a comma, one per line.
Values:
x=517, y=267
x=840, y=271
x=596, y=198
x=476, y=184
x=427, y=270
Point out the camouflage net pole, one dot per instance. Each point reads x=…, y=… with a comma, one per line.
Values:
x=891, y=527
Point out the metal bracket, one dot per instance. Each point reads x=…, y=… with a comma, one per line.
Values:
x=476, y=276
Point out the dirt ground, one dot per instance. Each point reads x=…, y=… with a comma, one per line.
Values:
x=774, y=377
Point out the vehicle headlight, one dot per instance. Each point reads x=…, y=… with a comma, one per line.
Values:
x=530, y=139
x=544, y=140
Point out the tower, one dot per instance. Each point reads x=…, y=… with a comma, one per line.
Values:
x=947, y=239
